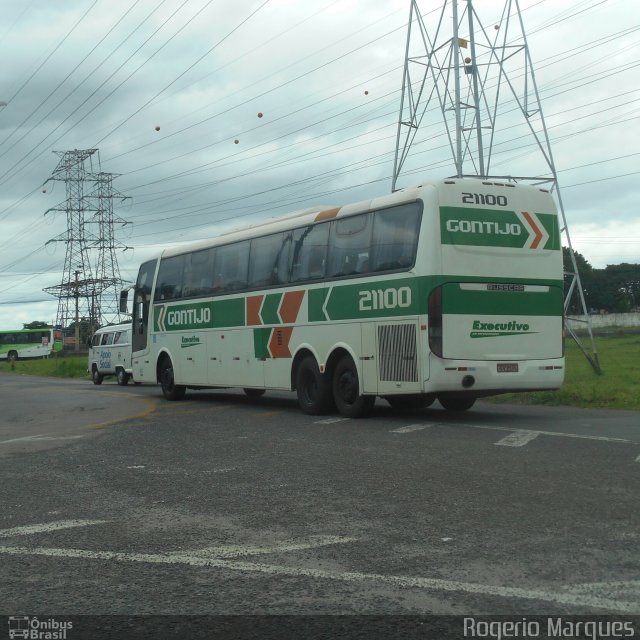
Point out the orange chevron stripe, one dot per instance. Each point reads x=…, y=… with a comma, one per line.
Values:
x=290, y=306
x=327, y=214
x=536, y=230
x=253, y=310
x=279, y=342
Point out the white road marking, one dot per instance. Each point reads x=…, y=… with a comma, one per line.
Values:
x=233, y=551
x=43, y=436
x=330, y=420
x=543, y=433
x=411, y=427
x=47, y=526
x=627, y=585
x=517, y=439
x=401, y=582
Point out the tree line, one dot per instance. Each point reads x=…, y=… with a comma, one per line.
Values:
x=614, y=289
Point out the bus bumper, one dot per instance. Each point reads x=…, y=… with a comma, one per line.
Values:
x=484, y=377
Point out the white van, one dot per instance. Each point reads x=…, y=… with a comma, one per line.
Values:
x=110, y=354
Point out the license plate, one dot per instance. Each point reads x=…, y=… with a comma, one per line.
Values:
x=507, y=367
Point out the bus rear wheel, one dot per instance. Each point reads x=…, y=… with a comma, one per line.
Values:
x=12, y=356
x=346, y=390
x=96, y=376
x=456, y=403
x=170, y=389
x=122, y=377
x=313, y=389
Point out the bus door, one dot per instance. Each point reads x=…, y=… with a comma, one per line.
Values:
x=141, y=306
x=398, y=363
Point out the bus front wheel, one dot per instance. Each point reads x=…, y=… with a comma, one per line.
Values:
x=313, y=389
x=96, y=376
x=170, y=389
x=12, y=356
x=346, y=390
x=122, y=377
x=456, y=403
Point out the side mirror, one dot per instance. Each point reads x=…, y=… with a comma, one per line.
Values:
x=124, y=295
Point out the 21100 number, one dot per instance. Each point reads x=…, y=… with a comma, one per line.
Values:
x=385, y=299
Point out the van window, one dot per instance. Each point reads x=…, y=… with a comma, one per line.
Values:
x=107, y=338
x=96, y=340
x=121, y=337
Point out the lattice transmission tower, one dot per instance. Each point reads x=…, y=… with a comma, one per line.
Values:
x=479, y=82
x=88, y=290
x=104, y=246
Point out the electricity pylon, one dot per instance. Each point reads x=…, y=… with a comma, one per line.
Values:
x=104, y=246
x=479, y=82
x=90, y=274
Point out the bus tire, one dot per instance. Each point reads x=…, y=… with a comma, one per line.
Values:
x=456, y=403
x=253, y=393
x=346, y=390
x=313, y=388
x=410, y=402
x=96, y=376
x=170, y=389
x=12, y=356
x=122, y=377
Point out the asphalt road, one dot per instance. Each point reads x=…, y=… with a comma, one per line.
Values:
x=222, y=504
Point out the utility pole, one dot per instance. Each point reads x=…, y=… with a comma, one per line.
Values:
x=482, y=112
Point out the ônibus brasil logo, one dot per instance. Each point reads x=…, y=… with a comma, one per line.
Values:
x=482, y=329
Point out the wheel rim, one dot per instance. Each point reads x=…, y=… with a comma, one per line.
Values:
x=348, y=386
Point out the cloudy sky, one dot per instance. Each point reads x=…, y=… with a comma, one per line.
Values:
x=326, y=75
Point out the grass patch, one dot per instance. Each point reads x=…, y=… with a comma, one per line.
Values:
x=618, y=387
x=58, y=366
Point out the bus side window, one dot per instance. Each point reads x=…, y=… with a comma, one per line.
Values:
x=395, y=237
x=264, y=260
x=96, y=340
x=197, y=273
x=310, y=252
x=231, y=266
x=170, y=277
x=349, y=245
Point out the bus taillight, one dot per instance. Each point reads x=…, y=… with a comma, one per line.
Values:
x=435, y=321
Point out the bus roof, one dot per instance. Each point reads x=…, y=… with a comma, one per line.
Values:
x=319, y=214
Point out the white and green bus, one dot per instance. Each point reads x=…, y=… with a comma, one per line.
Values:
x=29, y=343
x=451, y=290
